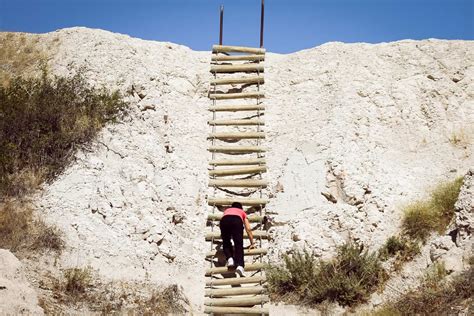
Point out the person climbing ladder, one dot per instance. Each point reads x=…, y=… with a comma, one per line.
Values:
x=232, y=225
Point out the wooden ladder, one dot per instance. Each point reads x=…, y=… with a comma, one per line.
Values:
x=236, y=175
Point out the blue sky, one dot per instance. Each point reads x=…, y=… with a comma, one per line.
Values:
x=290, y=25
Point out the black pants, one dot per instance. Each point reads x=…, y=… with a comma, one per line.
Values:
x=233, y=228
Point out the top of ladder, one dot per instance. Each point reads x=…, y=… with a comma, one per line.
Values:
x=237, y=49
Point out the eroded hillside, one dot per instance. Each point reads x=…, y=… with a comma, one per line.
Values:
x=355, y=132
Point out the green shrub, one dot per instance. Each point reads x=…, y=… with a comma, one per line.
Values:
x=42, y=122
x=399, y=247
x=423, y=217
x=348, y=279
x=392, y=246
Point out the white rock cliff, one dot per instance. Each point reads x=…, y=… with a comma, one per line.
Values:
x=355, y=132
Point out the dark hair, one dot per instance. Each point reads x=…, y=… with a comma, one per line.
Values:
x=237, y=205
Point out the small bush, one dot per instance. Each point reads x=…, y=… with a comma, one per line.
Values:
x=423, y=217
x=392, y=246
x=42, y=122
x=400, y=248
x=77, y=280
x=348, y=279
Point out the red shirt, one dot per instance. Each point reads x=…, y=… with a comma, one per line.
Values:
x=235, y=211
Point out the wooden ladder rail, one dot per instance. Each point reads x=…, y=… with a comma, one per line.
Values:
x=236, y=300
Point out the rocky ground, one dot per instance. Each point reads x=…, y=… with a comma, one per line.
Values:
x=354, y=131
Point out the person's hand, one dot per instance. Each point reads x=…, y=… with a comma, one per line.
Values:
x=252, y=246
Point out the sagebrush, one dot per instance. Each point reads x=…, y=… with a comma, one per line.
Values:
x=348, y=279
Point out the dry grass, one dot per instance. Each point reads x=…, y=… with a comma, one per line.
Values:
x=460, y=138
x=23, y=234
x=348, y=279
x=435, y=296
x=20, y=54
x=80, y=289
x=424, y=217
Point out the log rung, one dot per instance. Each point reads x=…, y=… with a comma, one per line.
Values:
x=239, y=95
x=237, y=49
x=237, y=108
x=236, y=150
x=248, y=290
x=257, y=234
x=236, y=310
x=247, y=252
x=249, y=267
x=236, y=68
x=237, y=301
x=236, y=122
x=238, y=57
x=251, y=218
x=236, y=281
x=237, y=162
x=241, y=80
x=244, y=201
x=237, y=135
x=236, y=171
x=238, y=183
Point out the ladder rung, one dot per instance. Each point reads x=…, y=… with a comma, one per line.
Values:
x=251, y=218
x=237, y=301
x=240, y=95
x=242, y=80
x=236, y=281
x=238, y=183
x=237, y=68
x=247, y=252
x=228, y=201
x=236, y=171
x=237, y=149
x=236, y=122
x=238, y=57
x=218, y=310
x=237, y=49
x=249, y=267
x=237, y=162
x=256, y=234
x=237, y=135
x=248, y=290
x=237, y=108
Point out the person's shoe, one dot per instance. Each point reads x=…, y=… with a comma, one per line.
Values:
x=230, y=262
x=240, y=271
